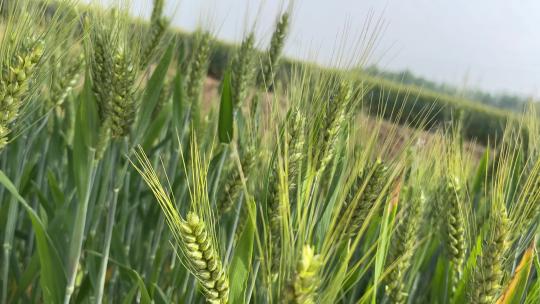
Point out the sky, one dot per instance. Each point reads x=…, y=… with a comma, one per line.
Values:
x=489, y=44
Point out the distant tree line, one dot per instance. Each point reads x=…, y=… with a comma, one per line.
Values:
x=501, y=100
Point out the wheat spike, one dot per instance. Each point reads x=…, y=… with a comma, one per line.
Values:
x=101, y=70
x=296, y=149
x=122, y=108
x=197, y=74
x=489, y=273
x=204, y=259
x=164, y=97
x=158, y=28
x=371, y=184
x=454, y=222
x=194, y=234
x=242, y=67
x=233, y=186
x=403, y=243
x=14, y=85
x=66, y=80
x=270, y=63
x=335, y=120
x=307, y=279
x=274, y=209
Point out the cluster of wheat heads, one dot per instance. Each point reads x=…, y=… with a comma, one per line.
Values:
x=121, y=181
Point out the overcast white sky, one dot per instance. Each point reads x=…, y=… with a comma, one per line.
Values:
x=491, y=44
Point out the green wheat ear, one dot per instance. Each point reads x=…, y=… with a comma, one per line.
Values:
x=65, y=75
x=304, y=287
x=158, y=28
x=164, y=97
x=113, y=67
x=14, y=85
x=275, y=209
x=122, y=108
x=101, y=68
x=369, y=186
x=489, y=273
x=403, y=243
x=233, y=186
x=194, y=234
x=454, y=222
x=197, y=73
x=334, y=123
x=296, y=153
x=296, y=142
x=243, y=70
x=157, y=31
x=205, y=259
x=65, y=80
x=270, y=62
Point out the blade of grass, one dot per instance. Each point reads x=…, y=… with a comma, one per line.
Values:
x=151, y=95
x=515, y=291
x=84, y=171
x=241, y=263
x=133, y=274
x=52, y=278
x=225, y=123
x=382, y=247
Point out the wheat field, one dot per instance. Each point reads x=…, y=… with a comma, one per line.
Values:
x=125, y=179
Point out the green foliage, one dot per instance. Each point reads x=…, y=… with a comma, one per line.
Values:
x=309, y=201
x=226, y=115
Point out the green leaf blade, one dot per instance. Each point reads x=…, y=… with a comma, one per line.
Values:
x=241, y=263
x=226, y=116
x=52, y=275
